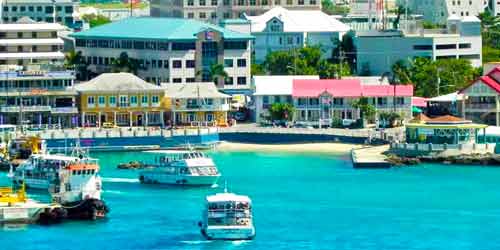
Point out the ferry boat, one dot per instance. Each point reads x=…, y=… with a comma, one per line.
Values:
x=175, y=167
x=73, y=182
x=227, y=216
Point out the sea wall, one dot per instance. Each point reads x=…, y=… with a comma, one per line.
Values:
x=284, y=138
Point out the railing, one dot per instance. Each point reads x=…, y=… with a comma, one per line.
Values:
x=65, y=110
x=465, y=148
x=220, y=107
x=480, y=105
x=37, y=108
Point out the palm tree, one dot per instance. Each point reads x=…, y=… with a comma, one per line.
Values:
x=125, y=64
x=74, y=60
x=215, y=72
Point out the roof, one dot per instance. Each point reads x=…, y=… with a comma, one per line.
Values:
x=488, y=79
x=116, y=82
x=222, y=197
x=491, y=131
x=471, y=19
x=193, y=90
x=276, y=85
x=171, y=29
x=446, y=119
x=347, y=88
x=235, y=21
x=298, y=21
x=451, y=97
x=417, y=101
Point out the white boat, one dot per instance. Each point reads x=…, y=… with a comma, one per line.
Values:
x=73, y=181
x=175, y=167
x=227, y=216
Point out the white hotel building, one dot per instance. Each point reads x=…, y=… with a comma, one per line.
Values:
x=25, y=43
x=379, y=50
x=280, y=29
x=438, y=11
x=39, y=10
x=170, y=50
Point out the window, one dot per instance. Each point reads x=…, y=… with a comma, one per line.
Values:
x=235, y=45
x=14, y=8
x=144, y=100
x=242, y=80
x=470, y=57
x=102, y=101
x=422, y=47
x=277, y=99
x=39, y=8
x=22, y=8
x=5, y=8
x=190, y=2
x=155, y=99
x=190, y=79
x=90, y=101
x=183, y=46
x=190, y=15
x=446, y=46
x=190, y=64
x=133, y=101
x=177, y=64
x=464, y=46
x=242, y=62
x=289, y=40
x=265, y=100
x=165, y=64
x=301, y=2
x=228, y=63
x=228, y=81
x=226, y=2
x=49, y=9
x=123, y=101
x=19, y=34
x=312, y=2
x=58, y=8
x=177, y=80
x=203, y=15
x=214, y=2
x=226, y=15
x=252, y=2
x=112, y=101
x=213, y=15
x=68, y=9
x=203, y=2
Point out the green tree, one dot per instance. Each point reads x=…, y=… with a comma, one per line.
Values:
x=367, y=110
x=215, y=73
x=345, y=50
x=282, y=111
x=124, y=63
x=278, y=62
x=331, y=8
x=74, y=60
x=95, y=20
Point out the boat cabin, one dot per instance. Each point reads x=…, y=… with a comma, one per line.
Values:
x=228, y=209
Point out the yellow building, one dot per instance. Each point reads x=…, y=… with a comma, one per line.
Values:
x=121, y=99
x=197, y=104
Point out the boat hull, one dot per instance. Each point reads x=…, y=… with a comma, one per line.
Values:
x=32, y=183
x=187, y=180
x=228, y=233
x=89, y=209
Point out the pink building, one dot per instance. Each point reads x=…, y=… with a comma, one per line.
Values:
x=318, y=102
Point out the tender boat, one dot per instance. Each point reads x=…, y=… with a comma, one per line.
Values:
x=227, y=216
x=180, y=168
x=73, y=181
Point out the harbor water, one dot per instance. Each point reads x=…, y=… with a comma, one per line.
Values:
x=301, y=201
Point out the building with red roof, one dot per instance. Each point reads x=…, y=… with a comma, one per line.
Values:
x=481, y=102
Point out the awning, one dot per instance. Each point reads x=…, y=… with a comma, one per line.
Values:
x=416, y=110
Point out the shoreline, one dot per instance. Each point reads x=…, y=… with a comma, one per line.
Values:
x=333, y=148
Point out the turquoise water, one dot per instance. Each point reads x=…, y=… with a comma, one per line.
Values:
x=300, y=202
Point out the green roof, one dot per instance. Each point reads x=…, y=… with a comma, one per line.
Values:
x=156, y=28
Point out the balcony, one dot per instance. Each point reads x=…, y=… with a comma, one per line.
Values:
x=16, y=109
x=213, y=107
x=487, y=106
x=65, y=110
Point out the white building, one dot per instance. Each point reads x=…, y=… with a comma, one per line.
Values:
x=379, y=50
x=25, y=43
x=438, y=11
x=170, y=50
x=272, y=89
x=283, y=29
x=39, y=10
x=216, y=10
x=495, y=7
x=321, y=102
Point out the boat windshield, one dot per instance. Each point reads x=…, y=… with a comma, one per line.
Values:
x=229, y=213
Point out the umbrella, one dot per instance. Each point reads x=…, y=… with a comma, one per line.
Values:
x=416, y=110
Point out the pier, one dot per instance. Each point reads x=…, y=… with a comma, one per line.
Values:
x=370, y=157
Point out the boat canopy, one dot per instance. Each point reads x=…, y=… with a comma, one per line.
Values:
x=228, y=197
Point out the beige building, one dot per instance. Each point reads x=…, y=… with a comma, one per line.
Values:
x=216, y=10
x=25, y=43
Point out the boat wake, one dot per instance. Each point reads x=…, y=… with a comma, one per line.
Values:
x=127, y=180
x=112, y=192
x=195, y=242
x=214, y=185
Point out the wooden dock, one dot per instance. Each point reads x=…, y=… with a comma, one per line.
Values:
x=370, y=157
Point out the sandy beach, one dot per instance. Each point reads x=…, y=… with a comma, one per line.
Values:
x=335, y=148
